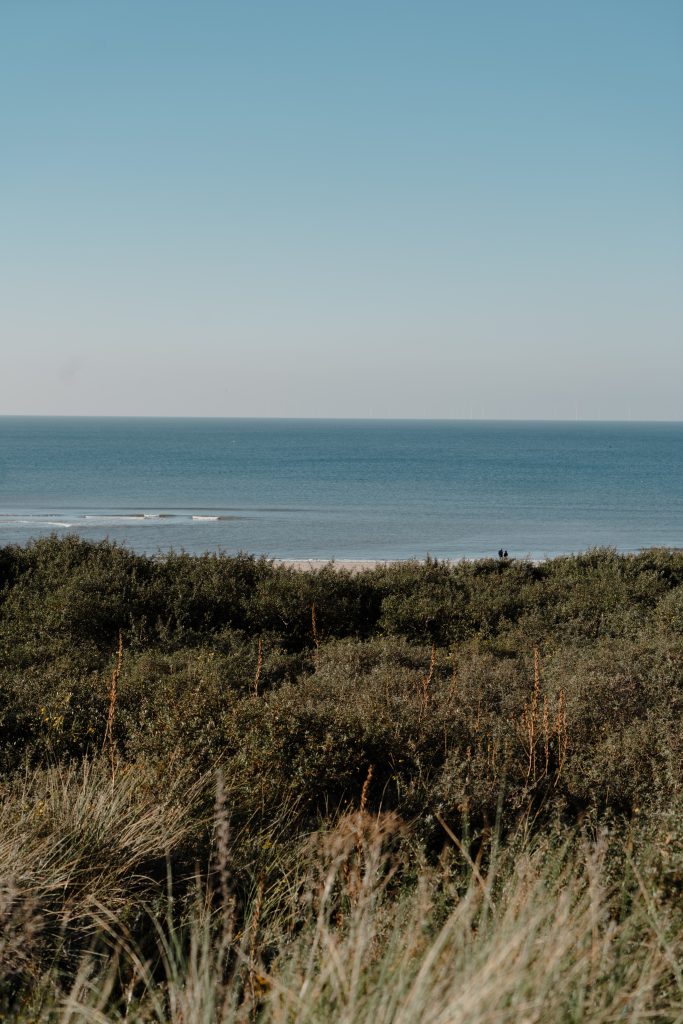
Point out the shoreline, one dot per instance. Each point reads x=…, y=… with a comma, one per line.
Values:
x=358, y=565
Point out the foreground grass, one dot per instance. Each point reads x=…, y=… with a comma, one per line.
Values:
x=551, y=928
x=235, y=792
x=542, y=929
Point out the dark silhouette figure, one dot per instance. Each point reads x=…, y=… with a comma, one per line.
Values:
x=500, y=552
x=505, y=554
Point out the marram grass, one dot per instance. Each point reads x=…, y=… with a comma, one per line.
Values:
x=542, y=930
x=234, y=792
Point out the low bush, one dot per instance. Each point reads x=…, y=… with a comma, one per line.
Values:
x=466, y=709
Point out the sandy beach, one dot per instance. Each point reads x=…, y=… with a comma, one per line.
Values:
x=353, y=566
x=356, y=565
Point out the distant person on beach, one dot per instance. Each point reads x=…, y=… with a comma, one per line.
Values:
x=505, y=554
x=500, y=552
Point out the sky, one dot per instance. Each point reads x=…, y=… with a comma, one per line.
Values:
x=374, y=208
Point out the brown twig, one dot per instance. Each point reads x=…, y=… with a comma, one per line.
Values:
x=464, y=853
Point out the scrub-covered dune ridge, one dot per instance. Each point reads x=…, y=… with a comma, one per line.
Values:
x=423, y=792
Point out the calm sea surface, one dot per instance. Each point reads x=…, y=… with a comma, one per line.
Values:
x=343, y=489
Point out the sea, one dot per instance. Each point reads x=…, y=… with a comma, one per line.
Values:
x=343, y=489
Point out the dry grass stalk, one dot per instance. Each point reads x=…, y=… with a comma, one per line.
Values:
x=349, y=856
x=256, y=980
x=222, y=858
x=454, y=673
x=492, y=748
x=426, y=682
x=109, y=741
x=353, y=861
x=530, y=720
x=352, y=879
x=561, y=733
x=474, y=866
x=314, y=634
x=539, y=726
x=364, y=791
x=259, y=666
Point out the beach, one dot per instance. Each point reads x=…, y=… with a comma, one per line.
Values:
x=353, y=566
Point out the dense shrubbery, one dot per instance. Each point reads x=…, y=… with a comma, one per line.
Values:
x=472, y=704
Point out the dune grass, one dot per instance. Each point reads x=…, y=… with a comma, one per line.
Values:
x=540, y=928
x=234, y=792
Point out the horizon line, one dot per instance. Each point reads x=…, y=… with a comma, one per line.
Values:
x=332, y=419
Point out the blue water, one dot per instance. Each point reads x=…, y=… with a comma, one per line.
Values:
x=343, y=489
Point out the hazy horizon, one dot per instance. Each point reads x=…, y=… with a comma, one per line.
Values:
x=383, y=211
x=337, y=419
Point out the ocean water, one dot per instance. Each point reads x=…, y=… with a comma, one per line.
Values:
x=344, y=489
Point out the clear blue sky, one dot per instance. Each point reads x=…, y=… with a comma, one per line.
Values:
x=367, y=208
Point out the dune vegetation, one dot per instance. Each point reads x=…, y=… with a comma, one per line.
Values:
x=433, y=793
